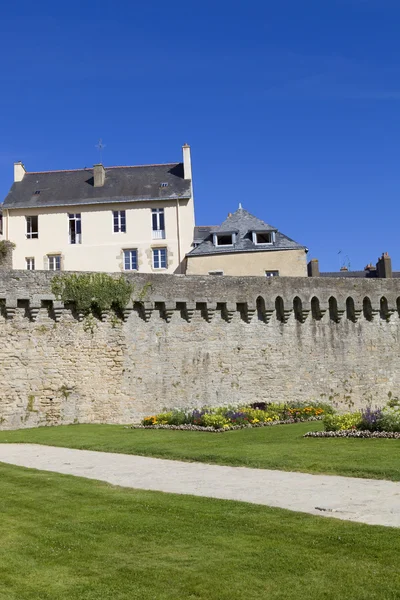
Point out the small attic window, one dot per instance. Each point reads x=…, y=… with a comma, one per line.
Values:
x=164, y=184
x=263, y=237
x=224, y=239
x=36, y=193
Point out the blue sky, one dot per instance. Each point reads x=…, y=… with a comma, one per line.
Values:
x=291, y=108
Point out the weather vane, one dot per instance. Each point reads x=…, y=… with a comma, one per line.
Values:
x=100, y=147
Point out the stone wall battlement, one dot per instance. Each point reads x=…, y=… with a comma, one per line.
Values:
x=168, y=295
x=189, y=341
x=276, y=309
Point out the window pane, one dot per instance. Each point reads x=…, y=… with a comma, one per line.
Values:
x=123, y=221
x=155, y=224
x=156, y=263
x=163, y=253
x=161, y=215
x=126, y=261
x=78, y=226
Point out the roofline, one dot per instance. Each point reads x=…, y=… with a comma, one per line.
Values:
x=91, y=168
x=97, y=201
x=245, y=251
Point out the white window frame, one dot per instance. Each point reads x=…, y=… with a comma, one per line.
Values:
x=270, y=233
x=117, y=224
x=75, y=218
x=52, y=261
x=30, y=263
x=131, y=251
x=219, y=235
x=158, y=233
x=30, y=233
x=272, y=273
x=156, y=252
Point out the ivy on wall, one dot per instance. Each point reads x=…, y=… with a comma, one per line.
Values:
x=93, y=292
x=5, y=248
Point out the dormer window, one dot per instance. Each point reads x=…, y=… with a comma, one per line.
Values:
x=261, y=238
x=224, y=239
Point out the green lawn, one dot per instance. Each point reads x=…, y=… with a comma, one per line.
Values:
x=279, y=447
x=66, y=538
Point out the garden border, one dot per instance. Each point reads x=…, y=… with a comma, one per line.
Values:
x=351, y=433
x=190, y=427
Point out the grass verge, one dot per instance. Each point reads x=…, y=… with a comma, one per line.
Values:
x=280, y=447
x=66, y=538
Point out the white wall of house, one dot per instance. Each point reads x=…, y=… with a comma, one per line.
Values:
x=101, y=249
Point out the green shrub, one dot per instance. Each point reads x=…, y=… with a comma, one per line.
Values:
x=390, y=420
x=341, y=422
x=92, y=292
x=165, y=418
x=177, y=417
x=216, y=421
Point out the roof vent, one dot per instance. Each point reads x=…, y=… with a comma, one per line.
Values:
x=163, y=184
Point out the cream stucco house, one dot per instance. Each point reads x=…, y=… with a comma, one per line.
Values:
x=102, y=218
x=245, y=245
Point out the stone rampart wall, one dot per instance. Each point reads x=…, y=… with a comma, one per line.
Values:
x=192, y=341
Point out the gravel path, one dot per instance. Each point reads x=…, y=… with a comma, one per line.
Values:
x=364, y=500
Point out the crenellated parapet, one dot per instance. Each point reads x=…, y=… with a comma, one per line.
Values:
x=279, y=299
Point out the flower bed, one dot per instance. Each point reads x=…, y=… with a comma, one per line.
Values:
x=189, y=427
x=368, y=423
x=354, y=433
x=229, y=418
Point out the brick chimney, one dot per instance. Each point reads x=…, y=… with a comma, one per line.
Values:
x=384, y=266
x=344, y=268
x=19, y=171
x=99, y=175
x=313, y=268
x=187, y=162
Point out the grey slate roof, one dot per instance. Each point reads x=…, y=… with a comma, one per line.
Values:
x=122, y=184
x=243, y=223
x=202, y=232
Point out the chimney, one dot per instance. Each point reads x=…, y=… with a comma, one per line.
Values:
x=187, y=162
x=313, y=268
x=344, y=268
x=99, y=175
x=19, y=171
x=384, y=266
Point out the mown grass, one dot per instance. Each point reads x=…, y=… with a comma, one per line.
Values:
x=279, y=447
x=66, y=538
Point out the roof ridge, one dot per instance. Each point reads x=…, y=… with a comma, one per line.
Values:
x=150, y=165
x=113, y=167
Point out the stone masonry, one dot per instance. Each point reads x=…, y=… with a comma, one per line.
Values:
x=193, y=340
